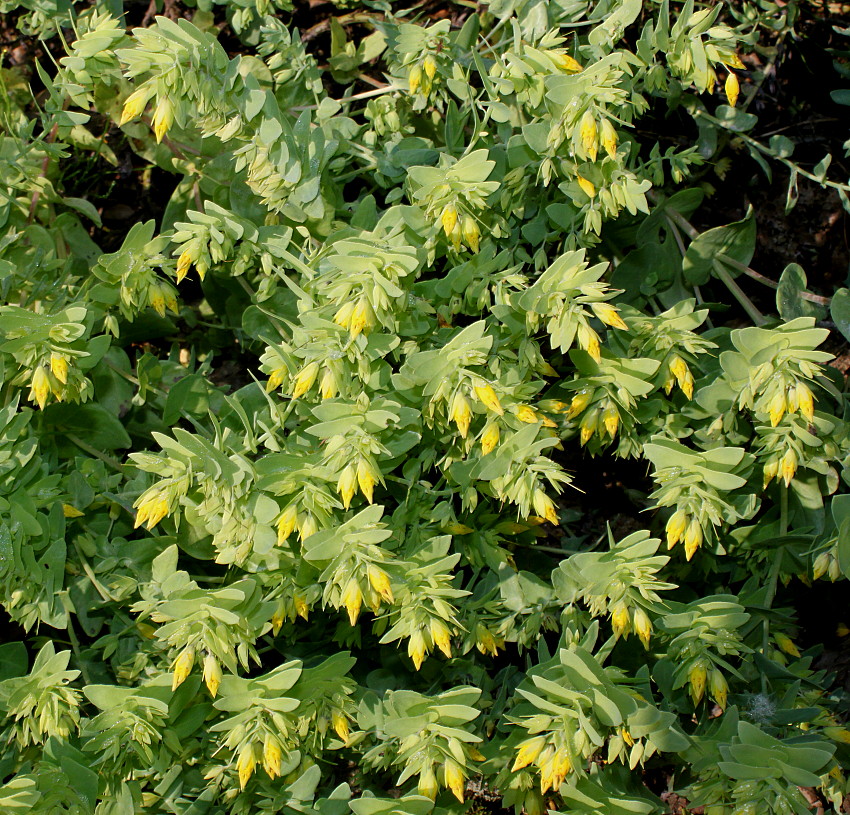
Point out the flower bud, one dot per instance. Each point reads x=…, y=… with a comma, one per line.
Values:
x=579, y=402
x=271, y=756
x=620, y=619
x=608, y=314
x=693, y=538
x=286, y=523
x=182, y=667
x=587, y=134
x=414, y=78
x=789, y=466
x=732, y=88
x=587, y=187
x=470, y=233
x=212, y=674
x=489, y=438
x=675, y=528
x=448, y=219
x=642, y=625
x=40, y=386
x=430, y=66
x=304, y=379
x=59, y=367
x=488, y=398
x=528, y=751
x=347, y=484
x=608, y=137
x=697, y=677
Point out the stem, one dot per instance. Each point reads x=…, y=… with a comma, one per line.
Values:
x=738, y=293
x=773, y=577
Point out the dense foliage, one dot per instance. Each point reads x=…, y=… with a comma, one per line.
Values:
x=453, y=275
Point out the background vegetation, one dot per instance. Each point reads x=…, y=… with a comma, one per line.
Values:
x=413, y=409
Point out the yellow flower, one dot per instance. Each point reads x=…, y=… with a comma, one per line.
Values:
x=135, y=104
x=277, y=620
x=428, y=783
x=360, y=317
x=589, y=423
x=151, y=507
x=490, y=437
x=182, y=667
x=732, y=88
x=328, y=386
x=588, y=339
x=212, y=674
x=805, y=399
x=789, y=466
x=608, y=314
x=545, y=763
x=71, y=512
x=718, y=687
x=527, y=414
x=304, y=379
x=587, y=134
x=566, y=63
x=488, y=397
x=697, y=677
x=454, y=778
x=40, y=386
x=449, y=219
x=163, y=118
x=611, y=419
x=343, y=316
x=440, y=635
x=301, y=607
x=484, y=640
x=156, y=297
x=642, y=626
x=59, y=367
x=415, y=78
x=528, y=751
x=430, y=66
x=366, y=479
x=471, y=234
x=245, y=765
x=380, y=582
x=579, y=402
x=340, y=725
x=271, y=756
x=620, y=619
x=545, y=507
x=416, y=648
x=352, y=598
x=770, y=469
x=184, y=263
x=678, y=367
x=587, y=186
x=839, y=734
x=460, y=413
x=347, y=484
x=286, y=523
x=676, y=527
x=608, y=137
x=776, y=408
x=693, y=538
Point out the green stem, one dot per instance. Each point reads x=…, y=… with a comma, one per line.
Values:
x=738, y=293
x=773, y=577
x=93, y=451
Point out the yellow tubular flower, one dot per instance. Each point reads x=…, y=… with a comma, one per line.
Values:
x=697, y=677
x=59, y=367
x=588, y=425
x=151, y=508
x=380, y=582
x=579, y=402
x=184, y=263
x=359, y=317
x=471, y=235
x=676, y=526
x=460, y=413
x=789, y=466
x=732, y=88
x=301, y=607
x=527, y=414
x=545, y=507
x=40, y=386
x=820, y=566
x=163, y=118
x=343, y=316
x=611, y=419
x=489, y=438
x=587, y=186
x=441, y=636
x=488, y=398
x=416, y=648
x=352, y=599
x=286, y=523
x=528, y=751
x=340, y=725
x=449, y=219
x=428, y=783
x=608, y=314
x=587, y=134
x=770, y=469
x=328, y=387
x=805, y=399
x=718, y=688
x=414, y=78
x=693, y=538
x=776, y=409
x=182, y=667
x=245, y=765
x=545, y=763
x=430, y=66
x=304, y=379
x=687, y=385
x=620, y=619
x=366, y=479
x=567, y=63
x=347, y=484
x=212, y=674
x=608, y=137
x=642, y=626
x=135, y=104
x=588, y=340
x=271, y=756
